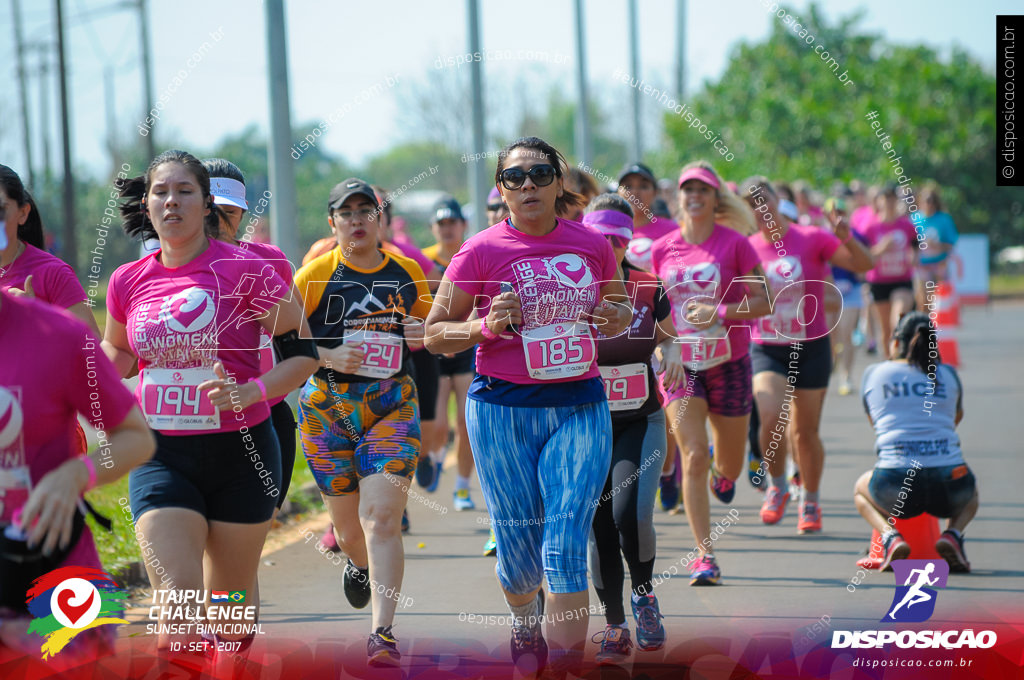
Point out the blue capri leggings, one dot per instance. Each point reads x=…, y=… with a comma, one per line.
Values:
x=541, y=471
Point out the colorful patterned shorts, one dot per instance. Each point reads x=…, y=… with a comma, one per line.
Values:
x=358, y=429
x=726, y=388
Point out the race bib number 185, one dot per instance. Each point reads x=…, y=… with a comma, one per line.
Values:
x=558, y=350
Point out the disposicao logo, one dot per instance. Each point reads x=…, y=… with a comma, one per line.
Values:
x=70, y=600
x=914, y=602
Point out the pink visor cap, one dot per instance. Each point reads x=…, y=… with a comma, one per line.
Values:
x=610, y=223
x=699, y=174
x=227, y=191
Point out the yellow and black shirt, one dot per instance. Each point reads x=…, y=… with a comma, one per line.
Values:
x=339, y=298
x=433, y=253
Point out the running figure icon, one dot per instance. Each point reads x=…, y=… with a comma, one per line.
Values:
x=915, y=594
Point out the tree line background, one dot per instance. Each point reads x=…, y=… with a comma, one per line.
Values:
x=780, y=109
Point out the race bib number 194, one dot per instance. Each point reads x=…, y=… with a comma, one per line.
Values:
x=171, y=399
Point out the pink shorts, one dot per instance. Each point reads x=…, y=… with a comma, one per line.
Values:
x=727, y=388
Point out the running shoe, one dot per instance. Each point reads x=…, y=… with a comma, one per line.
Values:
x=795, y=483
x=528, y=641
x=615, y=645
x=405, y=521
x=426, y=473
x=845, y=388
x=754, y=463
x=328, y=540
x=724, y=489
x=382, y=649
x=650, y=634
x=705, y=572
x=491, y=546
x=858, y=337
x=810, y=519
x=774, y=505
x=668, y=491
x=893, y=548
x=438, y=466
x=872, y=348
x=356, y=583
x=462, y=500
x=950, y=547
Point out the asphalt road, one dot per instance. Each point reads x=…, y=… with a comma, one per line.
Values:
x=774, y=581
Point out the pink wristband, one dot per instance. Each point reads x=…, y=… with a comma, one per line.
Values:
x=91, y=467
x=262, y=388
x=722, y=309
x=488, y=333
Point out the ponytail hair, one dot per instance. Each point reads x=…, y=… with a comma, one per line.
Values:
x=135, y=220
x=732, y=211
x=32, y=231
x=916, y=340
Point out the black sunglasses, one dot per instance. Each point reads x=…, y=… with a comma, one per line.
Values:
x=494, y=207
x=541, y=175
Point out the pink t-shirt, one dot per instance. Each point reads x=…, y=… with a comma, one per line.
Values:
x=860, y=218
x=53, y=369
x=556, y=276
x=181, y=321
x=897, y=262
x=276, y=257
x=706, y=271
x=638, y=253
x=796, y=266
x=53, y=280
x=414, y=253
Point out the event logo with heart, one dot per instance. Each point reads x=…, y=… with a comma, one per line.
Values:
x=70, y=600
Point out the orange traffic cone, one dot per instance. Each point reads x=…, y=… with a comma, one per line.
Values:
x=947, y=306
x=949, y=348
x=944, y=308
x=920, y=533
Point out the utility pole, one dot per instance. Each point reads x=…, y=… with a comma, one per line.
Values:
x=70, y=248
x=19, y=49
x=111, y=115
x=583, y=150
x=44, y=109
x=147, y=77
x=681, y=50
x=478, y=184
x=636, y=147
x=283, y=213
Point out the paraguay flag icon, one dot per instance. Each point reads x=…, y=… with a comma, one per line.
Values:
x=69, y=600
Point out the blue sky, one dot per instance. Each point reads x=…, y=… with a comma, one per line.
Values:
x=336, y=49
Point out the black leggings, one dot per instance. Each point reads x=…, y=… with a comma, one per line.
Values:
x=624, y=520
x=284, y=427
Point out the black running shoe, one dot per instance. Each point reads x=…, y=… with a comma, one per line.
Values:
x=425, y=472
x=528, y=642
x=382, y=649
x=357, y=585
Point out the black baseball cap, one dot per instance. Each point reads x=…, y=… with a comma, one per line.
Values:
x=447, y=208
x=638, y=169
x=345, y=189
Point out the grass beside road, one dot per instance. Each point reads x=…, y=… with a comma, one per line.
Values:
x=119, y=549
x=1006, y=285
